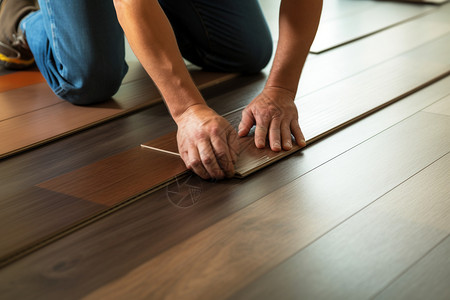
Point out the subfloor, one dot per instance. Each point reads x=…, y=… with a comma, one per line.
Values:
x=362, y=213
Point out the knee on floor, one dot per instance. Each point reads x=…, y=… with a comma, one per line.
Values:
x=94, y=85
x=251, y=57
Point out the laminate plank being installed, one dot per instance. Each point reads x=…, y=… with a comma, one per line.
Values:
x=349, y=27
x=248, y=243
x=319, y=115
x=427, y=279
x=368, y=251
x=60, y=118
x=140, y=231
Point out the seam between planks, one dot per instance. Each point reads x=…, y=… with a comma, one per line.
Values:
x=83, y=223
x=409, y=268
x=355, y=213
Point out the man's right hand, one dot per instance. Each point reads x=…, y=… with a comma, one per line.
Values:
x=207, y=143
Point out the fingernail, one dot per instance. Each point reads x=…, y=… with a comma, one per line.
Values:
x=302, y=142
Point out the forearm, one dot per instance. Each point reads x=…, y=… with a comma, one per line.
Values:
x=152, y=39
x=298, y=24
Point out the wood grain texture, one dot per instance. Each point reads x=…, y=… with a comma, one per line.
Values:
x=440, y=107
x=428, y=278
x=23, y=95
x=52, y=118
x=76, y=264
x=118, y=178
x=374, y=18
x=246, y=244
x=336, y=106
x=31, y=216
x=220, y=102
x=20, y=79
x=348, y=60
x=75, y=197
x=370, y=249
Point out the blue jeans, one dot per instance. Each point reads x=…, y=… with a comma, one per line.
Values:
x=79, y=45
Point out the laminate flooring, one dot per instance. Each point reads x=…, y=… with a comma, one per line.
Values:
x=358, y=213
x=397, y=81
x=238, y=235
x=41, y=117
x=345, y=21
x=319, y=116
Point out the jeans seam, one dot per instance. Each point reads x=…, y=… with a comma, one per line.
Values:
x=205, y=29
x=55, y=46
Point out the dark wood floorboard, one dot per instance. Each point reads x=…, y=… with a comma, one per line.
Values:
x=366, y=252
x=68, y=156
x=133, y=237
x=427, y=279
x=351, y=26
x=158, y=224
x=263, y=234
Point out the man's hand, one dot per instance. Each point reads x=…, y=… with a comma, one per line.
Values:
x=207, y=142
x=275, y=116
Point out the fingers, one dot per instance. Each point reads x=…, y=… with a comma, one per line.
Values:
x=209, y=159
x=193, y=162
x=286, y=136
x=233, y=144
x=246, y=123
x=223, y=155
x=275, y=135
x=298, y=134
x=213, y=159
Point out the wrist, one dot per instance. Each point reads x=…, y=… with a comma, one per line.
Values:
x=188, y=111
x=280, y=90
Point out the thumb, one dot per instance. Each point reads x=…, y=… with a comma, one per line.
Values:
x=247, y=122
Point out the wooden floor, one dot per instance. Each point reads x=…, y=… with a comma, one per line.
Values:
x=360, y=213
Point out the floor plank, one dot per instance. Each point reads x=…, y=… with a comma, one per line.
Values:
x=86, y=192
x=24, y=95
x=338, y=105
x=260, y=236
x=60, y=118
x=153, y=231
x=314, y=155
x=366, y=252
x=104, y=182
x=426, y=279
x=348, y=60
x=16, y=80
x=334, y=32
x=440, y=107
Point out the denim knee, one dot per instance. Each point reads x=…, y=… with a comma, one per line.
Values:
x=256, y=56
x=94, y=84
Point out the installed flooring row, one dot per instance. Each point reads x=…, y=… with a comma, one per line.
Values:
x=41, y=213
x=354, y=214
